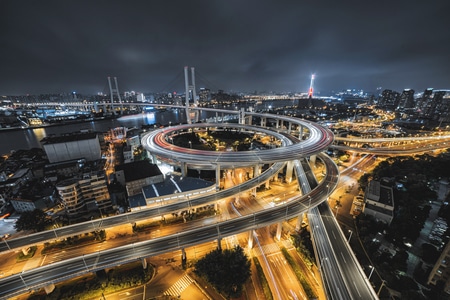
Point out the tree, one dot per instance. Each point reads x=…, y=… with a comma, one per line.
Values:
x=35, y=220
x=227, y=270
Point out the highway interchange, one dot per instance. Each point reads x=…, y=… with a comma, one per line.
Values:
x=341, y=271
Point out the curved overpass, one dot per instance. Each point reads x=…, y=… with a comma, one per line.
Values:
x=69, y=268
x=157, y=142
x=319, y=139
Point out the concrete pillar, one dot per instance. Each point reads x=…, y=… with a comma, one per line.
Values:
x=249, y=120
x=183, y=166
x=300, y=132
x=242, y=116
x=278, y=234
x=217, y=177
x=49, y=288
x=219, y=243
x=250, y=239
x=267, y=184
x=289, y=127
x=144, y=263
x=312, y=159
x=289, y=169
x=183, y=254
x=277, y=123
x=237, y=199
x=263, y=122
x=298, y=225
x=256, y=171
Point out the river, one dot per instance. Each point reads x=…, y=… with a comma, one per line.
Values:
x=30, y=138
x=18, y=139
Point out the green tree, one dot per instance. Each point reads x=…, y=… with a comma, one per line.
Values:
x=35, y=220
x=226, y=270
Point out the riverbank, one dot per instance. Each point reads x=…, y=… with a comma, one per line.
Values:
x=59, y=123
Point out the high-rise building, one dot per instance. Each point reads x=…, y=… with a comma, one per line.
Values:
x=423, y=101
x=88, y=193
x=440, y=109
x=435, y=105
x=441, y=270
x=407, y=99
x=389, y=99
x=204, y=95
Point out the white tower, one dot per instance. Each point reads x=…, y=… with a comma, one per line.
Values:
x=116, y=90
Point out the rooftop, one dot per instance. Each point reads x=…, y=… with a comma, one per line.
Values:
x=138, y=170
x=72, y=137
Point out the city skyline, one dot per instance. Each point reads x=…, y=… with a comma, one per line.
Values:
x=52, y=47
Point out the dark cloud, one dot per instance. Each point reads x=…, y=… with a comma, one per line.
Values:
x=60, y=46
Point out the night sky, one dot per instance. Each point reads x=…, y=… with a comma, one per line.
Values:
x=234, y=45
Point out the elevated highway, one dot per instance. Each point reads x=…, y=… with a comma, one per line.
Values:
x=318, y=139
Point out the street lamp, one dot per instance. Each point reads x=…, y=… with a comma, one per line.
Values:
x=350, y=235
x=381, y=286
x=24, y=283
x=87, y=269
x=337, y=210
x=190, y=144
x=7, y=245
x=371, y=271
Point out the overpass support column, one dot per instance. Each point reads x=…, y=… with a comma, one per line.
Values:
x=219, y=243
x=263, y=122
x=289, y=127
x=217, y=177
x=242, y=116
x=289, y=169
x=312, y=159
x=183, y=169
x=144, y=263
x=183, y=254
x=298, y=225
x=249, y=118
x=278, y=234
x=250, y=239
x=277, y=123
x=49, y=288
x=300, y=132
x=275, y=177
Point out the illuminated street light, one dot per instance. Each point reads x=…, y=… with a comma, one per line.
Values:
x=26, y=286
x=7, y=245
x=350, y=235
x=370, y=274
x=190, y=144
